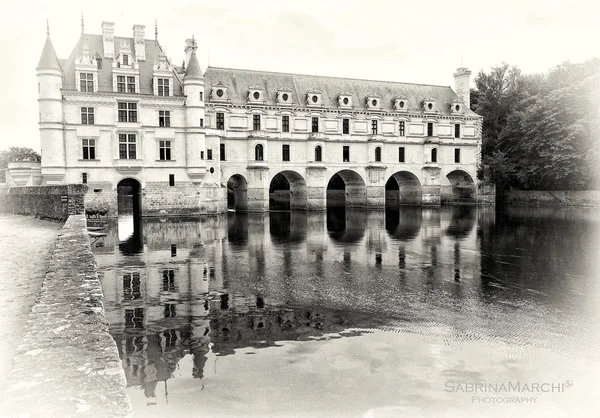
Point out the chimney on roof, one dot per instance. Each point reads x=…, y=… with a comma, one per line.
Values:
x=108, y=39
x=462, y=85
x=190, y=46
x=139, y=42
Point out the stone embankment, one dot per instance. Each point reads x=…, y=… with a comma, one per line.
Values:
x=67, y=364
x=51, y=202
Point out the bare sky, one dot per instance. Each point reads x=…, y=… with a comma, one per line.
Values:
x=418, y=42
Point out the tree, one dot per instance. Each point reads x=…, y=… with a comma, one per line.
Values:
x=17, y=154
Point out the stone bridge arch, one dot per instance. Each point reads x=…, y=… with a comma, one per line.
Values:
x=458, y=187
x=287, y=190
x=346, y=188
x=403, y=188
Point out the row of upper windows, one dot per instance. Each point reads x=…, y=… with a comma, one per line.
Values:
x=128, y=151
x=124, y=84
x=285, y=153
x=285, y=125
x=127, y=112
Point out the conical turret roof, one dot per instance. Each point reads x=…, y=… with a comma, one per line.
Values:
x=193, y=67
x=49, y=58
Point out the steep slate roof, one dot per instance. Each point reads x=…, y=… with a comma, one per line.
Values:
x=105, y=81
x=238, y=82
x=48, y=59
x=193, y=67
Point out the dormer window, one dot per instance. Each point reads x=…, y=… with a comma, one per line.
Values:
x=345, y=100
x=314, y=98
x=86, y=82
x=373, y=102
x=284, y=96
x=401, y=104
x=163, y=87
x=256, y=94
x=457, y=107
x=428, y=105
x=218, y=92
x=125, y=59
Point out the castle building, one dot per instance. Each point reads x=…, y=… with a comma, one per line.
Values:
x=118, y=115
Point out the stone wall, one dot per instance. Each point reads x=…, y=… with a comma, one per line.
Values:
x=544, y=197
x=67, y=363
x=52, y=202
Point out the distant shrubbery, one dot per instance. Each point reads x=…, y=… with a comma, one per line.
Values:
x=95, y=209
x=540, y=131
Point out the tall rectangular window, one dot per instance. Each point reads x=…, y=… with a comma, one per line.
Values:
x=121, y=83
x=222, y=152
x=285, y=123
x=209, y=154
x=401, y=128
x=346, y=153
x=164, y=118
x=201, y=155
x=346, y=126
x=164, y=150
x=220, y=120
x=315, y=124
x=285, y=152
x=87, y=115
x=456, y=130
x=127, y=147
x=171, y=180
x=401, y=157
x=457, y=155
x=86, y=82
x=125, y=59
x=89, y=149
x=84, y=178
x=374, y=127
x=163, y=86
x=127, y=112
x=201, y=96
x=256, y=122
x=130, y=84
x=202, y=122
x=429, y=128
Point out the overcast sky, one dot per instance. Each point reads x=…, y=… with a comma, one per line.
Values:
x=416, y=41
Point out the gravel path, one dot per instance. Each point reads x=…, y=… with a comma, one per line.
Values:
x=25, y=247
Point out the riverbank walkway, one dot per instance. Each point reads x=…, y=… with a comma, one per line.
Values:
x=26, y=245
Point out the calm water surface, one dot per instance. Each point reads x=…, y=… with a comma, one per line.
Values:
x=357, y=314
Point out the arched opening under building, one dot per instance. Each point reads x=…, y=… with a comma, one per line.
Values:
x=461, y=189
x=287, y=191
x=237, y=193
x=346, y=188
x=402, y=188
x=129, y=197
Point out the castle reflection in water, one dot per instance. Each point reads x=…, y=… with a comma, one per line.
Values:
x=178, y=286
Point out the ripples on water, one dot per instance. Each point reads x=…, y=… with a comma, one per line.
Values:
x=418, y=296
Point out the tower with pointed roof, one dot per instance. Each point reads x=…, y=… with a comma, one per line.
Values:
x=50, y=83
x=193, y=88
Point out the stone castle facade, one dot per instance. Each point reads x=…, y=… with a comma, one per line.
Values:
x=120, y=117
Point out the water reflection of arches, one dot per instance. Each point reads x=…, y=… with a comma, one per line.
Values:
x=462, y=222
x=237, y=229
x=402, y=188
x=346, y=188
x=462, y=188
x=237, y=193
x=287, y=191
x=346, y=225
x=288, y=227
x=403, y=223
x=130, y=234
x=129, y=196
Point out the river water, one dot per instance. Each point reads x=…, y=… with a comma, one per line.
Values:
x=458, y=311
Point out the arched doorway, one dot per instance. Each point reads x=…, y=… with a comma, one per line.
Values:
x=462, y=188
x=402, y=188
x=346, y=188
x=237, y=193
x=129, y=197
x=287, y=191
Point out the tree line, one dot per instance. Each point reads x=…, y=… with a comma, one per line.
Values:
x=540, y=131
